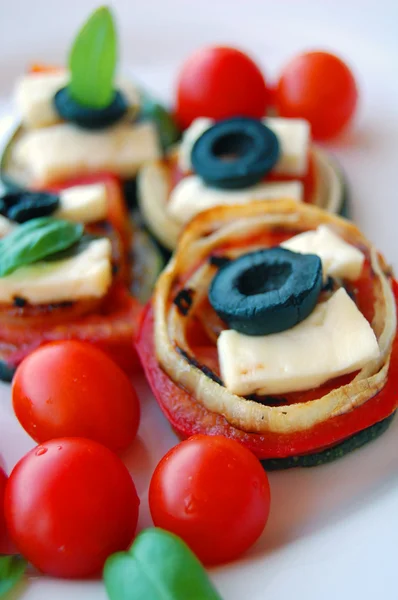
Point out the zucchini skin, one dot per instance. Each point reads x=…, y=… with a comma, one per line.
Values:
x=6, y=371
x=330, y=454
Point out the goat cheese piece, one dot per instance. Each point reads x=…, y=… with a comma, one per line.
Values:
x=86, y=275
x=192, y=196
x=334, y=340
x=339, y=259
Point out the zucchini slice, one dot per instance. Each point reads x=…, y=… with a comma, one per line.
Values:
x=330, y=454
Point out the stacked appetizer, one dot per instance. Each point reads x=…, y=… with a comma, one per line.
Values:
x=83, y=120
x=235, y=161
x=231, y=154
x=65, y=272
x=80, y=134
x=274, y=324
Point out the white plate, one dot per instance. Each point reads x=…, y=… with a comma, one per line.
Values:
x=333, y=530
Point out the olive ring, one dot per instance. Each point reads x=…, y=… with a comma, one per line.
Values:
x=235, y=153
x=87, y=117
x=25, y=205
x=267, y=291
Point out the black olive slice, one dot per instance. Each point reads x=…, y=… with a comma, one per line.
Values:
x=86, y=117
x=23, y=206
x=235, y=153
x=32, y=205
x=267, y=291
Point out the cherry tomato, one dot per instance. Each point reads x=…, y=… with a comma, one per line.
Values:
x=69, y=504
x=220, y=82
x=319, y=87
x=70, y=388
x=214, y=494
x=3, y=530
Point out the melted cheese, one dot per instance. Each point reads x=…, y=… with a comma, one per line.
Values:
x=293, y=136
x=83, y=203
x=339, y=259
x=87, y=275
x=192, y=196
x=58, y=152
x=334, y=340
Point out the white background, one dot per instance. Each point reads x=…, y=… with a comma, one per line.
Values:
x=333, y=531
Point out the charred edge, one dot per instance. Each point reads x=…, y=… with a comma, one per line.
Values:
x=56, y=305
x=329, y=285
x=205, y=370
x=219, y=261
x=389, y=272
x=267, y=400
x=183, y=300
x=351, y=292
x=20, y=302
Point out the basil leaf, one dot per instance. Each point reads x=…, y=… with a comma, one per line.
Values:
x=159, y=566
x=168, y=130
x=92, y=61
x=74, y=250
x=11, y=570
x=35, y=240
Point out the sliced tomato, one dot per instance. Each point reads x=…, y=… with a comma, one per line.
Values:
x=111, y=328
x=188, y=417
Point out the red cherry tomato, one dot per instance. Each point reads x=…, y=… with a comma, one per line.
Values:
x=69, y=504
x=70, y=388
x=319, y=87
x=220, y=82
x=214, y=494
x=3, y=530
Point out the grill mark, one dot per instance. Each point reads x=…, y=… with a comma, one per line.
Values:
x=183, y=300
x=219, y=261
x=205, y=370
x=19, y=301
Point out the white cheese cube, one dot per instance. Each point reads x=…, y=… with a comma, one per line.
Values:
x=63, y=151
x=87, y=275
x=293, y=136
x=339, y=259
x=192, y=196
x=294, y=139
x=83, y=203
x=34, y=96
x=334, y=340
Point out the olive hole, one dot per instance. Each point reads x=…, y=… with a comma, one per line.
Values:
x=232, y=146
x=263, y=278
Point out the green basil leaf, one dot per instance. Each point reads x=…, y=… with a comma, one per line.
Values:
x=35, y=240
x=11, y=570
x=77, y=248
x=159, y=566
x=168, y=129
x=92, y=61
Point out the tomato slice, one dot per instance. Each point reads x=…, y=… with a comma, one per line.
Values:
x=188, y=417
x=112, y=329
